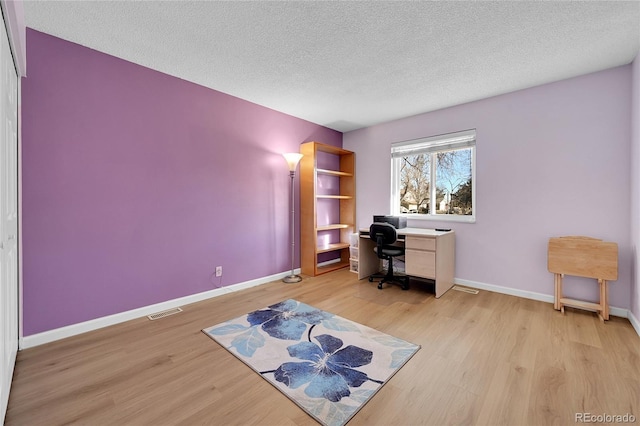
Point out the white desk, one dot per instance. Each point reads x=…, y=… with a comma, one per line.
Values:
x=428, y=254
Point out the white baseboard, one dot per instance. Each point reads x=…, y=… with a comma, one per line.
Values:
x=634, y=322
x=83, y=327
x=329, y=262
x=618, y=312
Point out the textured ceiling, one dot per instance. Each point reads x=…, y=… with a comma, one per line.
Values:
x=347, y=65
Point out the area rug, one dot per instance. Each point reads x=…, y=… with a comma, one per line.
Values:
x=326, y=364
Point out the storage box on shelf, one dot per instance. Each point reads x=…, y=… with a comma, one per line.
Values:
x=353, y=252
x=353, y=267
x=327, y=234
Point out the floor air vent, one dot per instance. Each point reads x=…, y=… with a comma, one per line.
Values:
x=163, y=314
x=466, y=290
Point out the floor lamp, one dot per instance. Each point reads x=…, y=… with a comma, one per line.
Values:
x=292, y=159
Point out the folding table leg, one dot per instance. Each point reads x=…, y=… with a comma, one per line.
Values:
x=555, y=291
x=558, y=292
x=604, y=300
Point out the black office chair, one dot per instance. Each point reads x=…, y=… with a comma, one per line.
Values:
x=384, y=235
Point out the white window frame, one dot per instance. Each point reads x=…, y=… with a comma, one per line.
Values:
x=433, y=145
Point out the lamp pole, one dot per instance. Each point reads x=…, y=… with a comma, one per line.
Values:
x=292, y=159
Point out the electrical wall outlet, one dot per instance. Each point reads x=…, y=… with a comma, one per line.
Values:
x=218, y=271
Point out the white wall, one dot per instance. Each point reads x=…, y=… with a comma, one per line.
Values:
x=551, y=160
x=635, y=190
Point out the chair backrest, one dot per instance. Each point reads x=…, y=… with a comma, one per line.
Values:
x=383, y=233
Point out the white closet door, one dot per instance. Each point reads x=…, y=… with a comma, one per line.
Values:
x=8, y=219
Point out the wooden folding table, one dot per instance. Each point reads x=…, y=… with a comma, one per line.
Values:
x=583, y=257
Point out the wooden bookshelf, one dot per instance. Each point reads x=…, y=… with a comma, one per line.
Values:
x=312, y=227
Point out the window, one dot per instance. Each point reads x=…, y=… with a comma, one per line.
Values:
x=434, y=178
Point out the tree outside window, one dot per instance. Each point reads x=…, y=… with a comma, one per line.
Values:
x=433, y=177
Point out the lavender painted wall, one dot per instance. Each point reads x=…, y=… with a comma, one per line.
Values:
x=137, y=184
x=551, y=160
x=635, y=188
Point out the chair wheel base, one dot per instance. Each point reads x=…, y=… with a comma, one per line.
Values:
x=403, y=284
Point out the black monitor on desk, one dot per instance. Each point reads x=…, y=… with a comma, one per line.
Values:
x=398, y=222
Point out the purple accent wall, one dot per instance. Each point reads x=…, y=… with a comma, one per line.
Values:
x=635, y=189
x=551, y=160
x=136, y=185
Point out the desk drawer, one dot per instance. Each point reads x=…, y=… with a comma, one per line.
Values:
x=420, y=263
x=420, y=243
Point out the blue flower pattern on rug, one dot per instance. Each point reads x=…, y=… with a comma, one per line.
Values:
x=287, y=320
x=329, y=370
x=329, y=374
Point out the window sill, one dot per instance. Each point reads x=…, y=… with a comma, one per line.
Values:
x=439, y=218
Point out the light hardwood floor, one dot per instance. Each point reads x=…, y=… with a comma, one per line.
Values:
x=486, y=359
